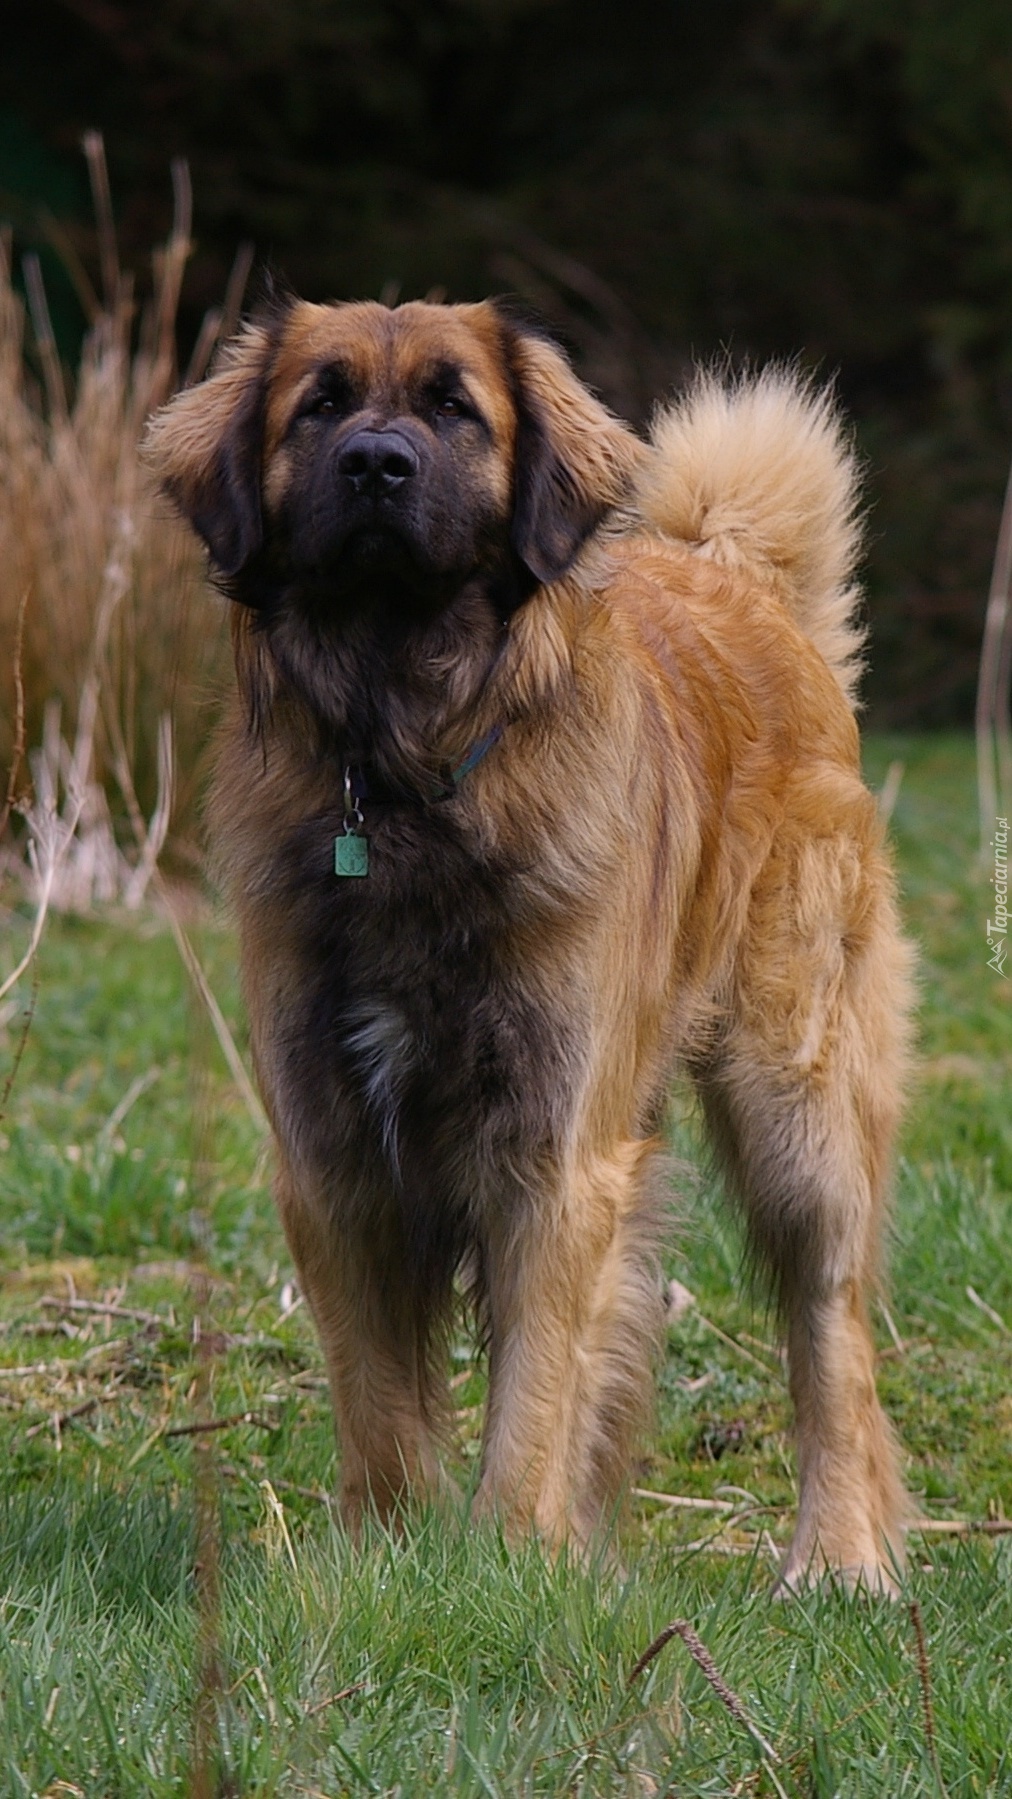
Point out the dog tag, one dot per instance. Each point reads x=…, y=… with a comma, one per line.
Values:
x=351, y=854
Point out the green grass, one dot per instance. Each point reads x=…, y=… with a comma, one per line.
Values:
x=465, y=1668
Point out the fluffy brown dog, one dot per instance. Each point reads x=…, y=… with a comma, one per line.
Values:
x=542, y=779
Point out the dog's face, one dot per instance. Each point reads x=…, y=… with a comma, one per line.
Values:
x=388, y=438
x=352, y=453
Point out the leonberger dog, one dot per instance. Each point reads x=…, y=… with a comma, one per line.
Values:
x=541, y=781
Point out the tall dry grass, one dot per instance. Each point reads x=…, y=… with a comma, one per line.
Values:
x=118, y=633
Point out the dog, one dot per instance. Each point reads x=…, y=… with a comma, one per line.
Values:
x=541, y=780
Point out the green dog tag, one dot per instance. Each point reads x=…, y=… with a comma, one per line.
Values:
x=351, y=855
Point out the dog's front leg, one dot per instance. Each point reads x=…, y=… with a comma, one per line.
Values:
x=572, y=1308
x=537, y=1273
x=374, y=1325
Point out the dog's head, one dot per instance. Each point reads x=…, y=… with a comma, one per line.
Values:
x=354, y=451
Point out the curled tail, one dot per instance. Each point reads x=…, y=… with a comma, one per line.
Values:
x=759, y=472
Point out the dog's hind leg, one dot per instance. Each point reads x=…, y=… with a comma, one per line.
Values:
x=802, y=1103
x=374, y=1326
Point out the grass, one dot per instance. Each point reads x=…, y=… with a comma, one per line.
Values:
x=434, y=1660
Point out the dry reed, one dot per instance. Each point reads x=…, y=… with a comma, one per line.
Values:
x=116, y=616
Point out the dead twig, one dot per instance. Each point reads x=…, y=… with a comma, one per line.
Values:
x=203, y=1426
x=321, y=1705
x=58, y=1421
x=684, y=1502
x=316, y=1493
x=732, y=1343
x=102, y=1309
x=68, y=1365
x=962, y=1527
x=731, y=1517
x=680, y=1627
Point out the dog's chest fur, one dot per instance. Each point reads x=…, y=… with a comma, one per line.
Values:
x=415, y=1049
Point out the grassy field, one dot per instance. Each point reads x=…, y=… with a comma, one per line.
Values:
x=434, y=1660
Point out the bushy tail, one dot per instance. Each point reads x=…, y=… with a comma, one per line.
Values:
x=759, y=471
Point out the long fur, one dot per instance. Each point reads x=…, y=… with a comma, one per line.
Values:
x=760, y=473
x=667, y=859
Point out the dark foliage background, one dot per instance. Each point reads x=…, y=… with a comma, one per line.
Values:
x=663, y=180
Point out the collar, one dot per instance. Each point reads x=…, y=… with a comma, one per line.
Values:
x=362, y=782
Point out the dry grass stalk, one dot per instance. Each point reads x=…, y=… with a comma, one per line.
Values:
x=104, y=596
x=78, y=510
x=72, y=855
x=993, y=721
x=21, y=1041
x=101, y=197
x=18, y=745
x=989, y=1312
x=229, y=1049
x=209, y=1778
x=890, y=791
x=924, y=1676
x=680, y=1627
x=206, y=1779
x=149, y=846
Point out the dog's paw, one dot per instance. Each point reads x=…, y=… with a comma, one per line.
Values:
x=877, y=1577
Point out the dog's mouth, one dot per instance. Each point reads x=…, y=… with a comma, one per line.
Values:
x=373, y=565
x=376, y=548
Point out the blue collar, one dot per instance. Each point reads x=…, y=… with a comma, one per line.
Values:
x=366, y=784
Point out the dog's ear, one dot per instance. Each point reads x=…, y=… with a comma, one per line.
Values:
x=573, y=460
x=206, y=446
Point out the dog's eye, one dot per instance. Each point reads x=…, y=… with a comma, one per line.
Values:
x=331, y=397
x=449, y=408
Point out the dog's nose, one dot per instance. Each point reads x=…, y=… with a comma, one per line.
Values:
x=377, y=462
